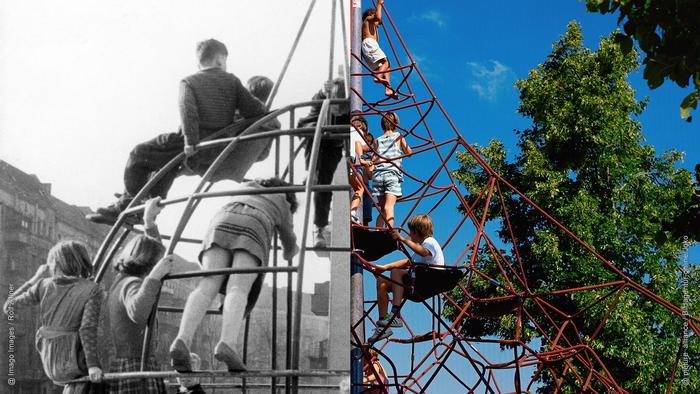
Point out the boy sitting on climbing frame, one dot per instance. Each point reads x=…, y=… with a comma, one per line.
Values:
x=371, y=52
x=209, y=100
x=426, y=250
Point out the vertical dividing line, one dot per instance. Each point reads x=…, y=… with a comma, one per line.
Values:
x=310, y=181
x=357, y=296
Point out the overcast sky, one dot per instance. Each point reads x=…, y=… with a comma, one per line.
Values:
x=82, y=82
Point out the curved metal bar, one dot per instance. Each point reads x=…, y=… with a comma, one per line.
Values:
x=247, y=191
x=97, y=261
x=101, y=271
x=216, y=373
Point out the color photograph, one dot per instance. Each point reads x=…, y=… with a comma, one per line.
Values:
x=529, y=186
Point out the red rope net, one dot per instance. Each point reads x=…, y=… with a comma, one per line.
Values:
x=446, y=351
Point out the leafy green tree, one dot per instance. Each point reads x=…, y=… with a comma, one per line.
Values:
x=668, y=32
x=584, y=162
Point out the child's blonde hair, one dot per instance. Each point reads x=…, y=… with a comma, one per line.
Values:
x=390, y=121
x=421, y=225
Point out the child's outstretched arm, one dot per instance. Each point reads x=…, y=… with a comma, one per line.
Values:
x=403, y=263
x=375, y=148
x=180, y=264
x=378, y=13
x=359, y=149
x=405, y=148
x=28, y=293
x=150, y=213
x=416, y=247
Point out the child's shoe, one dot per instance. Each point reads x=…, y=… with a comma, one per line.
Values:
x=320, y=240
x=180, y=356
x=390, y=320
x=354, y=218
x=116, y=207
x=379, y=334
x=228, y=356
x=109, y=214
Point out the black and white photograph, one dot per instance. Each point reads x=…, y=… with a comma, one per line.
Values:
x=172, y=220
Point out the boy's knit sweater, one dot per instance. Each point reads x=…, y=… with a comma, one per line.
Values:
x=209, y=100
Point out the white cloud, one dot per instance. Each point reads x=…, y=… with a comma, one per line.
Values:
x=434, y=17
x=487, y=80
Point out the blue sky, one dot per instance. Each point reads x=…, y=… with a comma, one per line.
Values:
x=471, y=53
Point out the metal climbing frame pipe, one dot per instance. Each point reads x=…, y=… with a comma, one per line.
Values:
x=216, y=373
x=275, y=88
x=310, y=181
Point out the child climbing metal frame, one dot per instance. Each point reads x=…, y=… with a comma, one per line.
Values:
x=114, y=239
x=566, y=356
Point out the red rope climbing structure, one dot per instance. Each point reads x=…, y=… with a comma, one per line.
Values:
x=566, y=354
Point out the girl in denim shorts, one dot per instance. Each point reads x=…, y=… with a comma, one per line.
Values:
x=387, y=177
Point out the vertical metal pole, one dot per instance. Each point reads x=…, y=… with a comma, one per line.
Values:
x=288, y=342
x=356, y=284
x=273, y=346
x=310, y=181
x=148, y=331
x=346, y=51
x=332, y=46
x=246, y=331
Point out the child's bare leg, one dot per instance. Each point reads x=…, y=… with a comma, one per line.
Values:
x=383, y=76
x=388, y=208
x=380, y=218
x=397, y=275
x=358, y=190
x=237, y=290
x=199, y=300
x=378, y=78
x=383, y=288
